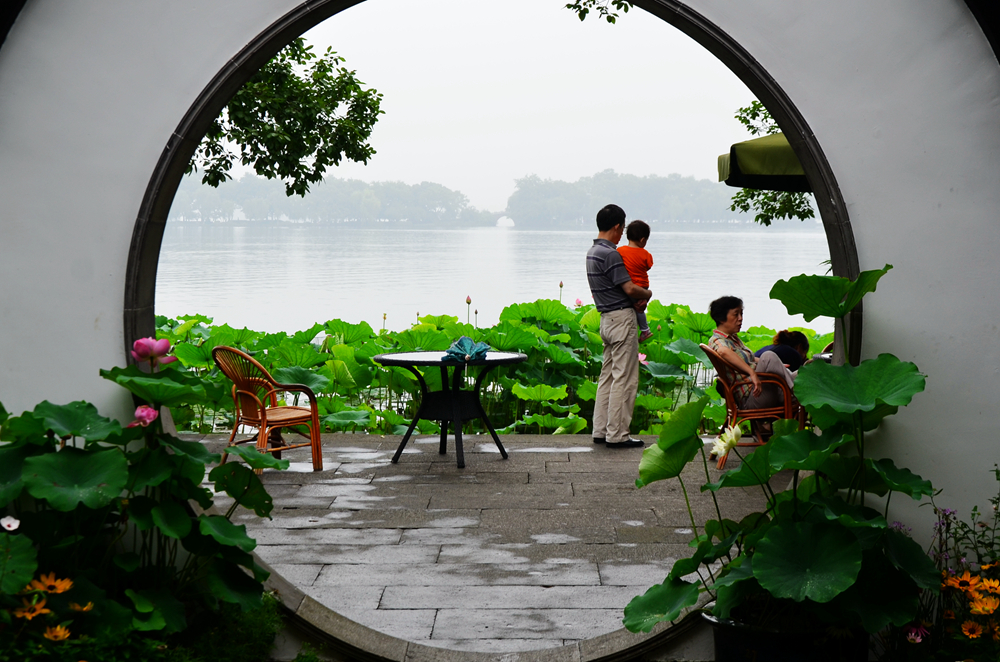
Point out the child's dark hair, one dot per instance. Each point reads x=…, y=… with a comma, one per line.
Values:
x=637, y=230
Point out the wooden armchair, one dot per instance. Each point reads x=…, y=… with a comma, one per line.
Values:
x=255, y=400
x=734, y=415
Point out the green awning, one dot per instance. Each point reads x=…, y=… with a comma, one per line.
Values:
x=767, y=163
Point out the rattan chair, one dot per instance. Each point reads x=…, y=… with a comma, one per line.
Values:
x=790, y=408
x=256, y=406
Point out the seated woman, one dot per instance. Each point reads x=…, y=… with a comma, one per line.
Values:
x=727, y=312
x=792, y=347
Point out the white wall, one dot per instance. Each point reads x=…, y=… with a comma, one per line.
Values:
x=904, y=97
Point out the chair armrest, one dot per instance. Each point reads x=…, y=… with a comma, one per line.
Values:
x=294, y=388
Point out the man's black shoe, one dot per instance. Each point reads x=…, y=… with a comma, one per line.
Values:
x=599, y=440
x=628, y=443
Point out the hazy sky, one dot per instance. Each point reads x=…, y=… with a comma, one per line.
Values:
x=479, y=93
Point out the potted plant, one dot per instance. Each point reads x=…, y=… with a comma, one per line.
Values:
x=819, y=568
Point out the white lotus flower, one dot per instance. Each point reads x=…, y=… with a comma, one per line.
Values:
x=9, y=523
x=727, y=441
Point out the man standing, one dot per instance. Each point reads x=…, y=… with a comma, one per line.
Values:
x=614, y=292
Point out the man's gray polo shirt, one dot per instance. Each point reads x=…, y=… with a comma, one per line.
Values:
x=606, y=273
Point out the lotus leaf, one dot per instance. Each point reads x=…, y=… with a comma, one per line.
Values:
x=424, y=338
x=165, y=388
x=572, y=425
x=238, y=337
x=800, y=560
x=803, y=450
x=853, y=516
x=591, y=320
x=11, y=464
x=307, y=336
x=148, y=618
x=653, y=403
x=225, y=532
x=562, y=355
x=667, y=372
x=907, y=555
x=73, y=476
x=662, y=602
x=660, y=463
x=343, y=420
x=198, y=356
x=882, y=595
x=754, y=470
x=586, y=391
x=172, y=518
x=337, y=373
x=688, y=352
x=682, y=424
x=25, y=428
x=139, y=510
x=739, y=570
x=439, y=321
x=167, y=607
x=298, y=354
x=127, y=561
x=825, y=296
x=4, y=415
x=539, y=392
x=257, y=460
x=18, y=562
x=901, y=480
x=656, y=311
x=192, y=449
x=228, y=583
x=296, y=374
x=349, y=334
x=77, y=419
x=150, y=468
x=845, y=389
x=243, y=486
x=507, y=337
x=543, y=310
x=269, y=341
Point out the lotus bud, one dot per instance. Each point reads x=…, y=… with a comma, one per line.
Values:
x=144, y=415
x=578, y=303
x=560, y=285
x=468, y=300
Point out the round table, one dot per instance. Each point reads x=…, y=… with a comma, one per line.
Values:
x=449, y=404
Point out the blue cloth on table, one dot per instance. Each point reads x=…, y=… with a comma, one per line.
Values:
x=464, y=349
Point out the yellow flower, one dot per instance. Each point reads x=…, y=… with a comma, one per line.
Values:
x=987, y=566
x=949, y=615
x=87, y=607
x=50, y=584
x=991, y=585
x=966, y=582
x=985, y=605
x=31, y=609
x=58, y=633
x=972, y=629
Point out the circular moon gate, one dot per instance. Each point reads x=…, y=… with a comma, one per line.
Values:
x=170, y=168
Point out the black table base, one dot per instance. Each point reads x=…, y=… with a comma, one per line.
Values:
x=451, y=404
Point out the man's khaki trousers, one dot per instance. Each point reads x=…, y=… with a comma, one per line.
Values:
x=619, y=380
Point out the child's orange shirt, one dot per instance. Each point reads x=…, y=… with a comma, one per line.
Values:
x=637, y=262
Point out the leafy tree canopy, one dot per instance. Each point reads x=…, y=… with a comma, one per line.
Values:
x=299, y=114
x=768, y=205
x=605, y=9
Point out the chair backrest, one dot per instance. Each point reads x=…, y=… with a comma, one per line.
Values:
x=247, y=375
x=720, y=370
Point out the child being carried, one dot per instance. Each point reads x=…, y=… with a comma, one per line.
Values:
x=638, y=261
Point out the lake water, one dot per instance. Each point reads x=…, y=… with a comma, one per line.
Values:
x=285, y=276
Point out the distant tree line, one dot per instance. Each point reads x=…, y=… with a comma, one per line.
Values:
x=536, y=204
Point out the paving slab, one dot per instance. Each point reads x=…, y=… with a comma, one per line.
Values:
x=539, y=552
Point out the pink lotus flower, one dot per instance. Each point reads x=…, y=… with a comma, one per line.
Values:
x=578, y=303
x=152, y=350
x=916, y=633
x=144, y=415
x=642, y=359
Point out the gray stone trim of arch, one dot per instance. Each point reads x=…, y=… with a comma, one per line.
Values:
x=140, y=284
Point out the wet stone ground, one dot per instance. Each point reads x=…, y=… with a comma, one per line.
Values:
x=540, y=550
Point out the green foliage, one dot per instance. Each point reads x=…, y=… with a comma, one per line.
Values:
x=828, y=296
x=817, y=550
x=105, y=510
x=604, y=8
x=768, y=205
x=298, y=115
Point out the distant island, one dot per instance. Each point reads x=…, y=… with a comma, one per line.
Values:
x=682, y=203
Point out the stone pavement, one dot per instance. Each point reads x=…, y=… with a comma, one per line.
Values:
x=537, y=551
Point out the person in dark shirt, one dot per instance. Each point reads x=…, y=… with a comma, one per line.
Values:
x=792, y=347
